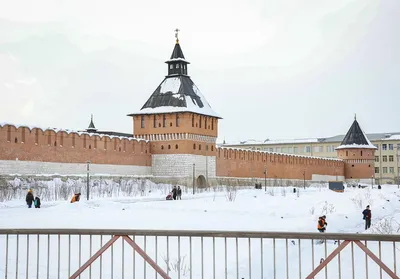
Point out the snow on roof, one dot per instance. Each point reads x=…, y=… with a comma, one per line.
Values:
x=177, y=59
x=277, y=153
x=369, y=145
x=392, y=137
x=2, y=124
x=278, y=141
x=177, y=94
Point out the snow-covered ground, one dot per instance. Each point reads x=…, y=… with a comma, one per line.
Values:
x=278, y=209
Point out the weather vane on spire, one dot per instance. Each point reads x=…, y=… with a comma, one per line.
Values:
x=176, y=34
x=355, y=116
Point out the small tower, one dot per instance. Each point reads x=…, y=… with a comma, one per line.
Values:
x=358, y=154
x=91, y=128
x=180, y=124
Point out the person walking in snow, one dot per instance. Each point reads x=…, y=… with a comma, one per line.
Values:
x=179, y=193
x=367, y=217
x=76, y=198
x=174, y=192
x=37, y=202
x=322, y=224
x=29, y=198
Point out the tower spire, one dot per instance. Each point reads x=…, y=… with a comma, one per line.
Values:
x=176, y=35
x=355, y=116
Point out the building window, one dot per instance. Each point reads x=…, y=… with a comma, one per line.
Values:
x=284, y=150
x=377, y=146
x=278, y=149
x=142, y=121
x=177, y=120
x=321, y=148
x=154, y=121
x=194, y=146
x=391, y=170
x=169, y=146
x=308, y=149
x=200, y=122
x=384, y=169
x=390, y=146
x=384, y=158
x=177, y=66
x=391, y=158
x=295, y=150
x=315, y=148
x=212, y=123
x=205, y=123
x=290, y=150
x=347, y=153
x=176, y=146
x=212, y=148
x=361, y=152
x=162, y=147
x=376, y=158
x=193, y=120
x=171, y=66
x=376, y=170
x=398, y=146
x=384, y=146
x=164, y=121
x=199, y=146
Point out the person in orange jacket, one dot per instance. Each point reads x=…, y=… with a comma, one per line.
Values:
x=76, y=198
x=322, y=224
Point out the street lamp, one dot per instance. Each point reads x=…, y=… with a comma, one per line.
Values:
x=265, y=179
x=304, y=179
x=194, y=176
x=87, y=179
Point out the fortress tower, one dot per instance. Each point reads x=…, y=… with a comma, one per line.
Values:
x=358, y=154
x=180, y=124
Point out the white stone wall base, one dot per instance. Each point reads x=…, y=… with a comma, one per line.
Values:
x=8, y=167
x=181, y=165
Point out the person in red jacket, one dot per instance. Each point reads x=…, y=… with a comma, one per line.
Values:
x=367, y=217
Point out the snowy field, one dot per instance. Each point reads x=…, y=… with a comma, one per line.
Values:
x=278, y=209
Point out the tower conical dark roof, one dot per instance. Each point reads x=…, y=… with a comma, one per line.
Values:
x=91, y=127
x=356, y=138
x=177, y=92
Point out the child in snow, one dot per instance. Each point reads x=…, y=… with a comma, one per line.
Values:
x=367, y=217
x=76, y=198
x=37, y=202
x=322, y=224
x=29, y=198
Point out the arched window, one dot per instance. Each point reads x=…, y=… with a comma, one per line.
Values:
x=154, y=121
x=361, y=152
x=177, y=120
x=212, y=148
x=200, y=122
x=176, y=146
x=16, y=140
x=171, y=66
x=169, y=146
x=199, y=146
x=212, y=123
x=205, y=123
x=164, y=121
x=162, y=147
x=194, y=146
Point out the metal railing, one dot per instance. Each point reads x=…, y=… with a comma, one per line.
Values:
x=87, y=253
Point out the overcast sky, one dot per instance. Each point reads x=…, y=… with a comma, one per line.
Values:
x=272, y=68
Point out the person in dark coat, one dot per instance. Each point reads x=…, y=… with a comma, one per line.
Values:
x=174, y=192
x=179, y=193
x=29, y=198
x=37, y=202
x=367, y=217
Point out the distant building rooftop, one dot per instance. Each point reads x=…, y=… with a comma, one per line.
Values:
x=334, y=139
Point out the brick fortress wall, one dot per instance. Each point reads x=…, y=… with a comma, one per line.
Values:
x=240, y=163
x=106, y=153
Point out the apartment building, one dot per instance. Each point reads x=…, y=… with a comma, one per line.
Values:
x=387, y=160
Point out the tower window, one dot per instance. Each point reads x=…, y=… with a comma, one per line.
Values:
x=205, y=123
x=171, y=66
x=199, y=146
x=194, y=146
x=162, y=147
x=193, y=120
x=347, y=153
x=154, y=121
x=142, y=121
x=177, y=120
x=200, y=122
x=16, y=140
x=176, y=146
x=361, y=152
x=169, y=146
x=164, y=121
x=177, y=66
